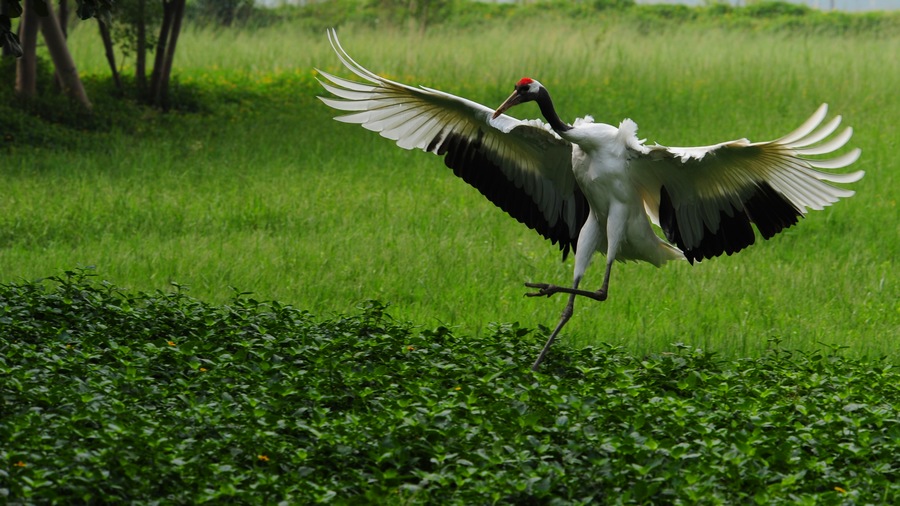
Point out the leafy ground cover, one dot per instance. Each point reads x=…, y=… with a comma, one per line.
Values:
x=119, y=396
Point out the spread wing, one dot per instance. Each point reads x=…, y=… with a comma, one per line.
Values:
x=705, y=198
x=521, y=166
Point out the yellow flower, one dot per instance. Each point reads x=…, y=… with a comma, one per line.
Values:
x=19, y=464
x=171, y=343
x=410, y=348
x=202, y=369
x=263, y=458
x=458, y=389
x=839, y=489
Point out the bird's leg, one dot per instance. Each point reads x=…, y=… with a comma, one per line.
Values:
x=588, y=240
x=615, y=231
x=545, y=289
x=604, y=288
x=549, y=290
x=566, y=314
x=587, y=244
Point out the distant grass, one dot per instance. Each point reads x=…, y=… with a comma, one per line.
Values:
x=113, y=396
x=267, y=194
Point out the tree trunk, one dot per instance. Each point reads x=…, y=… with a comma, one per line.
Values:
x=110, y=52
x=64, y=17
x=62, y=60
x=162, y=92
x=423, y=16
x=140, y=67
x=161, y=41
x=26, y=66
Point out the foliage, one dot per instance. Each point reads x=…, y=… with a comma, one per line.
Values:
x=766, y=15
x=121, y=396
x=125, y=25
x=221, y=12
x=87, y=9
x=11, y=9
x=414, y=13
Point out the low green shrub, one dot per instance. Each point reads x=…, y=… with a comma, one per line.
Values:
x=108, y=395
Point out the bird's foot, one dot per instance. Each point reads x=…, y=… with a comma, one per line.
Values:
x=546, y=290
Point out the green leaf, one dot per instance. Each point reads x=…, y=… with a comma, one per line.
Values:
x=8, y=39
x=11, y=9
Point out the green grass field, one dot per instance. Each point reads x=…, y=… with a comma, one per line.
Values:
x=267, y=194
x=139, y=391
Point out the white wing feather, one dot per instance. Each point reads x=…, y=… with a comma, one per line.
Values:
x=705, y=181
x=531, y=157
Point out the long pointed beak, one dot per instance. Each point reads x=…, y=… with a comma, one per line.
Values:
x=514, y=99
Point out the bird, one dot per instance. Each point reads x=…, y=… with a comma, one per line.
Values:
x=592, y=187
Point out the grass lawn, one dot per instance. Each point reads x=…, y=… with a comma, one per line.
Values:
x=267, y=194
x=764, y=377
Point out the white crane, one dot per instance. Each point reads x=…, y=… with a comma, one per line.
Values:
x=594, y=187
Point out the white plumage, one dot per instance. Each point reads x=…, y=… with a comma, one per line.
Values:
x=595, y=187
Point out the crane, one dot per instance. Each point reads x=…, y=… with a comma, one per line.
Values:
x=591, y=187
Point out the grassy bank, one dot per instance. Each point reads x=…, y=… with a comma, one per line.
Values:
x=265, y=193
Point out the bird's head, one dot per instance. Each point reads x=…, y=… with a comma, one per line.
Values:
x=527, y=89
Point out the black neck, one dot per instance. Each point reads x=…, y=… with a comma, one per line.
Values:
x=549, y=112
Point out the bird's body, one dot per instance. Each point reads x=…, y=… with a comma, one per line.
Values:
x=596, y=187
x=601, y=157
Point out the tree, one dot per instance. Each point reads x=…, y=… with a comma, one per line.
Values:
x=132, y=28
x=132, y=31
x=11, y=9
x=223, y=12
x=37, y=15
x=173, y=13
x=417, y=14
x=135, y=19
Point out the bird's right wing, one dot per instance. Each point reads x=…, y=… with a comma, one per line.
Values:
x=705, y=198
x=522, y=167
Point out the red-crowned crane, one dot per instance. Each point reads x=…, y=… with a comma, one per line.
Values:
x=594, y=187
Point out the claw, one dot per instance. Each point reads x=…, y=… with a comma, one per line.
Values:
x=544, y=289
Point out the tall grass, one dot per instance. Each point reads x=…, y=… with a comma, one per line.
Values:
x=267, y=194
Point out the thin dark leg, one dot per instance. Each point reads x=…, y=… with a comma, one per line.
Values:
x=566, y=314
x=549, y=290
x=545, y=289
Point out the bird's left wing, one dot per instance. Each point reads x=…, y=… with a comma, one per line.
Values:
x=705, y=198
x=521, y=166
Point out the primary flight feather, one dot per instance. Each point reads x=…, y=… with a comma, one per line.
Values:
x=594, y=187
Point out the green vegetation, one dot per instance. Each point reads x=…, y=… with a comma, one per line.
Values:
x=678, y=389
x=766, y=16
x=262, y=191
x=115, y=396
